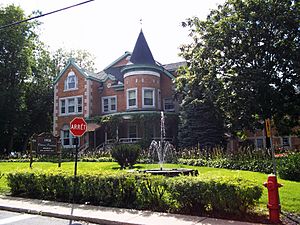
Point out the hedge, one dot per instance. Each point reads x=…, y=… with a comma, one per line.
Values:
x=288, y=167
x=184, y=194
x=255, y=165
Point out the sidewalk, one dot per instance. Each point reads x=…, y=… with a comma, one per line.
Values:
x=104, y=215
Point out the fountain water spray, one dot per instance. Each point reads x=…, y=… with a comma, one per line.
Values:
x=162, y=147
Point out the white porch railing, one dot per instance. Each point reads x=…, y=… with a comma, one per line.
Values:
x=165, y=139
x=129, y=140
x=83, y=148
x=110, y=142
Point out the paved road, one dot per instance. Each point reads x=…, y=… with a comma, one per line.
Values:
x=28, y=219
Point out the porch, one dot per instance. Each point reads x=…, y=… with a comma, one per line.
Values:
x=131, y=127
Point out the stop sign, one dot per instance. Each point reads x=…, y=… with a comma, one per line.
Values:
x=78, y=126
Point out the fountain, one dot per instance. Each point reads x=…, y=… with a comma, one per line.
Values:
x=163, y=148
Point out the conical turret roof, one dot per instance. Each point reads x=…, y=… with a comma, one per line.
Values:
x=141, y=53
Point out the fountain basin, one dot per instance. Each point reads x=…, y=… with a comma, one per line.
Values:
x=171, y=172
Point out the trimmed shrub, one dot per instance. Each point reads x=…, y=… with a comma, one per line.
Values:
x=185, y=194
x=289, y=167
x=125, y=154
x=222, y=195
x=255, y=165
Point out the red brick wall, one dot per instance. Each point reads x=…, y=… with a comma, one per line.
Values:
x=108, y=90
x=121, y=63
x=95, y=99
x=62, y=120
x=295, y=141
x=139, y=81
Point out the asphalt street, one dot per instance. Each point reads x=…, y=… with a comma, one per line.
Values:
x=7, y=217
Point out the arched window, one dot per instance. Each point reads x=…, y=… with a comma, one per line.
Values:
x=71, y=83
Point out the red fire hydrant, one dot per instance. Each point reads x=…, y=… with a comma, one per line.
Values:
x=273, y=198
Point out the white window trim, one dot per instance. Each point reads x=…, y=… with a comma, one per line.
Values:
x=67, y=106
x=71, y=137
x=168, y=110
x=109, y=103
x=153, y=97
x=127, y=98
x=66, y=85
x=138, y=72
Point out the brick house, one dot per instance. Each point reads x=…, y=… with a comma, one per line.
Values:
x=133, y=90
x=258, y=140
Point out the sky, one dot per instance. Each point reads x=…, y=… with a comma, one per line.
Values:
x=109, y=28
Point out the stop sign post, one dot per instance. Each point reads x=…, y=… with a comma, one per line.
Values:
x=78, y=127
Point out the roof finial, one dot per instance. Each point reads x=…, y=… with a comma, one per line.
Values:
x=141, y=23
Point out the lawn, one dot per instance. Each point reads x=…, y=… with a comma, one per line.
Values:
x=289, y=193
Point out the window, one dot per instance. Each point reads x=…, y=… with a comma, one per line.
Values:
x=131, y=98
x=132, y=131
x=159, y=99
x=71, y=105
x=259, y=143
x=66, y=137
x=286, y=141
x=71, y=82
x=148, y=97
x=109, y=104
x=79, y=104
x=62, y=106
x=169, y=105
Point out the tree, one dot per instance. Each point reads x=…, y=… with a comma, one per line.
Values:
x=251, y=49
x=201, y=119
x=27, y=72
x=38, y=97
x=16, y=44
x=200, y=125
x=82, y=57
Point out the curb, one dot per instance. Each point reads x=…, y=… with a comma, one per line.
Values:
x=64, y=216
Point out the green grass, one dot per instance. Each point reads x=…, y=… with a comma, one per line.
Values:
x=289, y=193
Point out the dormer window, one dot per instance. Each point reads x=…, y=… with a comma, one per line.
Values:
x=71, y=83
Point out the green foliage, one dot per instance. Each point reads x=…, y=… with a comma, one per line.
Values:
x=200, y=124
x=289, y=167
x=153, y=194
x=17, y=44
x=27, y=71
x=192, y=195
x=243, y=58
x=98, y=159
x=258, y=165
x=234, y=195
x=82, y=57
x=125, y=154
